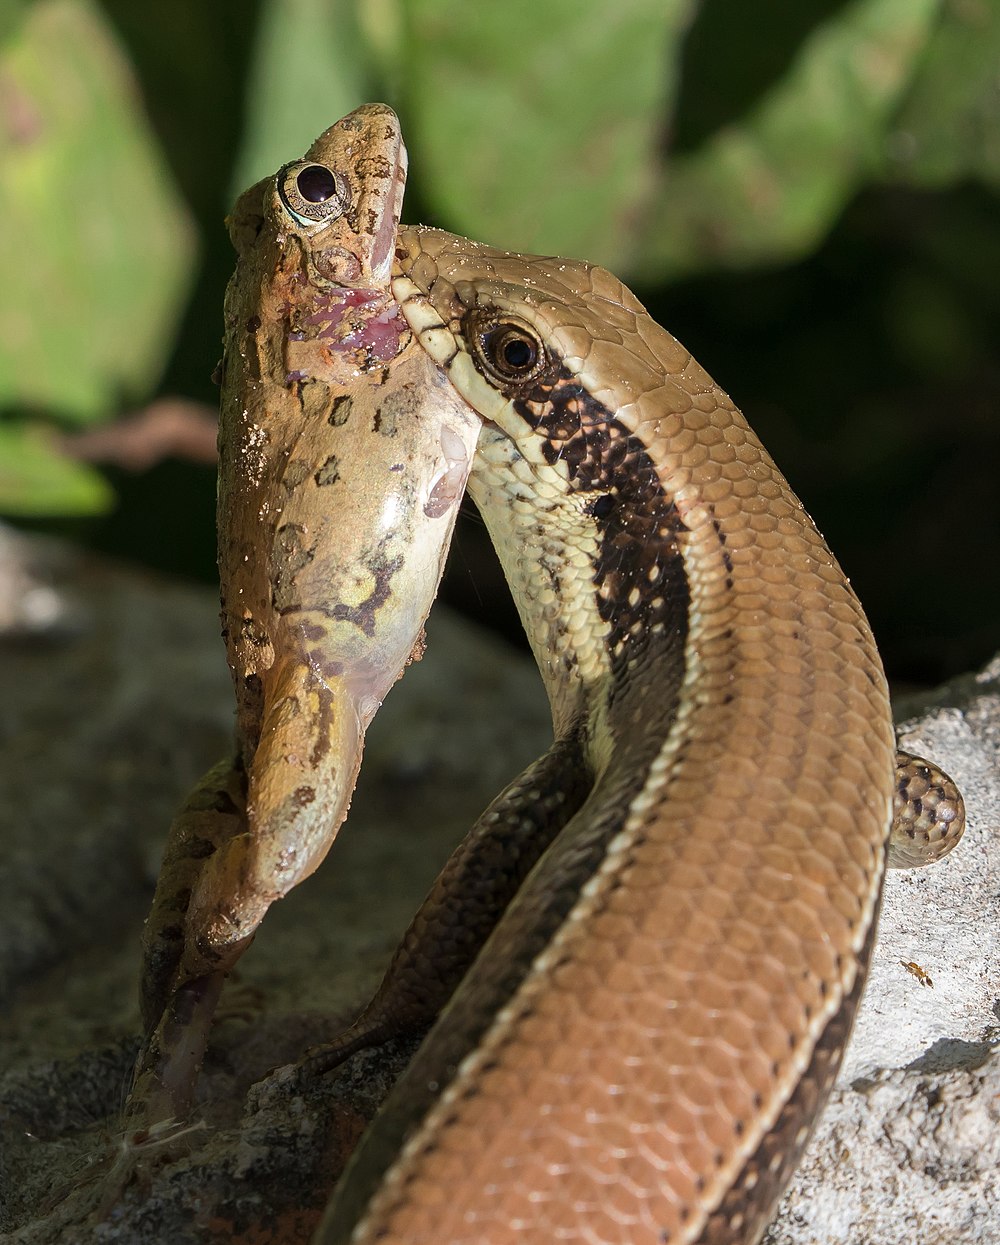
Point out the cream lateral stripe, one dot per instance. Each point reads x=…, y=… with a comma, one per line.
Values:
x=698, y=519
x=653, y=792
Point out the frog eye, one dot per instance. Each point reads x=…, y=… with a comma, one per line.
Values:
x=313, y=193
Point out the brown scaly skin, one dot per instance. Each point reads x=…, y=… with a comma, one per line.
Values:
x=343, y=456
x=660, y=1004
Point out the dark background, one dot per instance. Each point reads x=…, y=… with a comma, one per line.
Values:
x=868, y=365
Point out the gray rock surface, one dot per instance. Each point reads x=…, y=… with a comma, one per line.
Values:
x=106, y=720
x=908, y=1148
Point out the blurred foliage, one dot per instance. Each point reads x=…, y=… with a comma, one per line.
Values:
x=96, y=247
x=804, y=190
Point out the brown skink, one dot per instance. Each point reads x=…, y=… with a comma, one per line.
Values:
x=669, y=917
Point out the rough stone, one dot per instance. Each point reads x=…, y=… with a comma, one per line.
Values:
x=109, y=713
x=908, y=1148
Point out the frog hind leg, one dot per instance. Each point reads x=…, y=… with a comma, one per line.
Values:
x=240, y=841
x=177, y=998
x=176, y=1006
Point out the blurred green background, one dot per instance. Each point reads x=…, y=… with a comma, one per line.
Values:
x=804, y=191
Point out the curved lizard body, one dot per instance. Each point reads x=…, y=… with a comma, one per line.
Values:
x=689, y=880
x=343, y=456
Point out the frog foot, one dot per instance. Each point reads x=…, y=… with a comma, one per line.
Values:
x=136, y=1153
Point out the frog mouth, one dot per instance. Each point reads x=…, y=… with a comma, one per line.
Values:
x=343, y=321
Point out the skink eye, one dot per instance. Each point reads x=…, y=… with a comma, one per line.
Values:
x=313, y=193
x=511, y=352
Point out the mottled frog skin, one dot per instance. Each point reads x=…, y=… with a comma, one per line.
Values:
x=343, y=454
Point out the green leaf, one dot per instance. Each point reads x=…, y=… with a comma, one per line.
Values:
x=36, y=480
x=536, y=125
x=11, y=12
x=95, y=248
x=309, y=70
x=949, y=127
x=767, y=189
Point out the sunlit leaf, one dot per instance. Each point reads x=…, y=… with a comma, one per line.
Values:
x=309, y=70
x=537, y=126
x=768, y=188
x=36, y=480
x=949, y=127
x=95, y=247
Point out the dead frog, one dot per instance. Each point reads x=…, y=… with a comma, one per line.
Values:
x=344, y=452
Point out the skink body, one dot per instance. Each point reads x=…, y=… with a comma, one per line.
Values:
x=647, y=1034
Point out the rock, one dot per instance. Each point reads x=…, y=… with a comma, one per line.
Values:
x=108, y=719
x=908, y=1148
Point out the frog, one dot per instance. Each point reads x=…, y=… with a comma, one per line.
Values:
x=343, y=455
